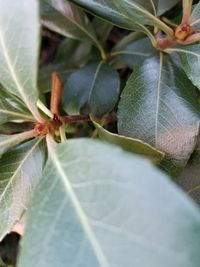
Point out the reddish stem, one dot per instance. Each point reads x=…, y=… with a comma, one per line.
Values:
x=109, y=118
x=75, y=118
x=56, y=93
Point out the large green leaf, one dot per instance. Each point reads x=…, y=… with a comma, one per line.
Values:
x=128, y=14
x=159, y=106
x=129, y=144
x=68, y=20
x=98, y=206
x=20, y=170
x=19, y=42
x=92, y=89
x=190, y=58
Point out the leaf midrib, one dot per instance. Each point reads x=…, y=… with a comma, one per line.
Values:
x=94, y=80
x=158, y=95
x=79, y=210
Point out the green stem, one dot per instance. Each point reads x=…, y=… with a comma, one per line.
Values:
x=101, y=50
x=169, y=22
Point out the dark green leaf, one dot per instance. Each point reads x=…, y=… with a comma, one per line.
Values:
x=132, y=145
x=133, y=49
x=68, y=20
x=164, y=5
x=70, y=54
x=127, y=14
x=11, y=128
x=159, y=106
x=20, y=170
x=98, y=206
x=92, y=89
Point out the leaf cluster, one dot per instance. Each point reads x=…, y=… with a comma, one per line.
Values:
x=94, y=130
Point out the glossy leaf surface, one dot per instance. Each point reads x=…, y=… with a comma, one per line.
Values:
x=190, y=59
x=92, y=89
x=159, y=106
x=132, y=50
x=128, y=14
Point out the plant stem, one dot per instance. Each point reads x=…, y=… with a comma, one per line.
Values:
x=109, y=118
x=76, y=118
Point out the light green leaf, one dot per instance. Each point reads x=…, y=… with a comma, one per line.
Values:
x=20, y=170
x=8, y=141
x=19, y=43
x=129, y=14
x=129, y=144
x=98, y=206
x=92, y=89
x=190, y=59
x=68, y=20
x=159, y=106
x=195, y=17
